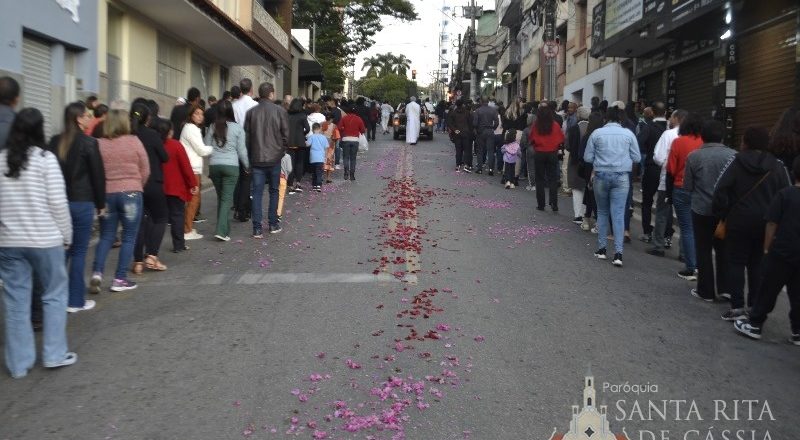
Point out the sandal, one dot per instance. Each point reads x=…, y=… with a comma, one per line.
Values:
x=152, y=263
x=138, y=268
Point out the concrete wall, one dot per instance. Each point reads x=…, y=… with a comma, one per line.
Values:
x=46, y=19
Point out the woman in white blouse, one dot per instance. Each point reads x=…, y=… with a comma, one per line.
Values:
x=196, y=149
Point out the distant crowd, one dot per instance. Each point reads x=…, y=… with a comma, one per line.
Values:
x=737, y=206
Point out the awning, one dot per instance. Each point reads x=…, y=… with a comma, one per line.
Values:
x=310, y=70
x=217, y=35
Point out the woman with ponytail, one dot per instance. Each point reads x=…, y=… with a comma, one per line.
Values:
x=227, y=138
x=80, y=160
x=154, y=219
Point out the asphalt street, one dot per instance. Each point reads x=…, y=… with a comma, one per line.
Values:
x=414, y=303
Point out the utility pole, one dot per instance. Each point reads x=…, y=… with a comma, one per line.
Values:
x=473, y=54
x=550, y=13
x=314, y=40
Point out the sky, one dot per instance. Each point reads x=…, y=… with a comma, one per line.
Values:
x=419, y=40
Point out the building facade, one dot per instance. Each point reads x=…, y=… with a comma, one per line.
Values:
x=51, y=48
x=64, y=50
x=737, y=61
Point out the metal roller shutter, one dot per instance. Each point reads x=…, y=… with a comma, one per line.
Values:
x=37, y=69
x=766, y=76
x=654, y=87
x=694, y=85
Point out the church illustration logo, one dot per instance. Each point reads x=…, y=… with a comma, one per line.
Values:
x=591, y=421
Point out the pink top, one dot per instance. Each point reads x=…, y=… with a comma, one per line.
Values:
x=125, y=162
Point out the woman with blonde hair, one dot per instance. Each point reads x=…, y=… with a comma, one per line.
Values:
x=127, y=170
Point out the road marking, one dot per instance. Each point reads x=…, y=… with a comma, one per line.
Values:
x=252, y=278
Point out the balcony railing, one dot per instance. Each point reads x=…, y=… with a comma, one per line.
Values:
x=262, y=17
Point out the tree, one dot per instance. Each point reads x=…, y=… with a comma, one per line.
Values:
x=390, y=87
x=401, y=64
x=346, y=28
x=373, y=66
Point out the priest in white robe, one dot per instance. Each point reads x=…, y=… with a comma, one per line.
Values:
x=412, y=121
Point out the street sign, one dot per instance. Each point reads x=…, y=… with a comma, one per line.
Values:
x=550, y=49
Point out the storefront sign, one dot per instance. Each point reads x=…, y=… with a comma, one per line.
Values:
x=621, y=14
x=654, y=7
x=598, y=26
x=672, y=91
x=671, y=55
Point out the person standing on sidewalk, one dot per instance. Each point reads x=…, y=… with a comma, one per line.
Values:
x=298, y=129
x=459, y=121
x=650, y=131
x=155, y=213
x=546, y=138
x=782, y=262
x=743, y=194
x=612, y=151
x=85, y=178
x=35, y=228
x=662, y=232
x=266, y=130
x=688, y=141
x=127, y=170
x=180, y=183
x=241, y=195
x=350, y=127
x=485, y=120
x=575, y=180
x=192, y=140
x=703, y=168
x=229, y=154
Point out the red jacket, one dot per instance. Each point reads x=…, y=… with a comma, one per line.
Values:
x=678, y=153
x=546, y=143
x=351, y=126
x=179, y=179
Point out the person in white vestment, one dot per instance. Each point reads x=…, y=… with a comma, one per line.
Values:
x=412, y=121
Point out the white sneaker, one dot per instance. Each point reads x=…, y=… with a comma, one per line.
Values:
x=585, y=225
x=512, y=186
x=87, y=305
x=337, y=167
x=192, y=235
x=221, y=237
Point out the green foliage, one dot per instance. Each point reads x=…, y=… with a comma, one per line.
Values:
x=391, y=87
x=346, y=28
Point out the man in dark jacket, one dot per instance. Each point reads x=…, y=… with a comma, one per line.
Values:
x=743, y=194
x=484, y=121
x=649, y=133
x=459, y=121
x=266, y=129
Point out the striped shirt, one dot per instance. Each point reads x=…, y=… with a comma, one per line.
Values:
x=34, y=212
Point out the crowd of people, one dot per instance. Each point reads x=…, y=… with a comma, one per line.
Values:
x=737, y=206
x=137, y=173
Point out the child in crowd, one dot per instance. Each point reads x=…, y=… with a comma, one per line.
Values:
x=511, y=153
x=180, y=182
x=286, y=170
x=782, y=262
x=319, y=144
x=331, y=133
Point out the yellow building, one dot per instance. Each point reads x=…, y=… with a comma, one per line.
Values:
x=157, y=49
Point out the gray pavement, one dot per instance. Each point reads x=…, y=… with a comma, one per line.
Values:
x=236, y=339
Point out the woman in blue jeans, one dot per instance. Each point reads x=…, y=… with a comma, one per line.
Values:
x=612, y=150
x=35, y=228
x=127, y=170
x=85, y=178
